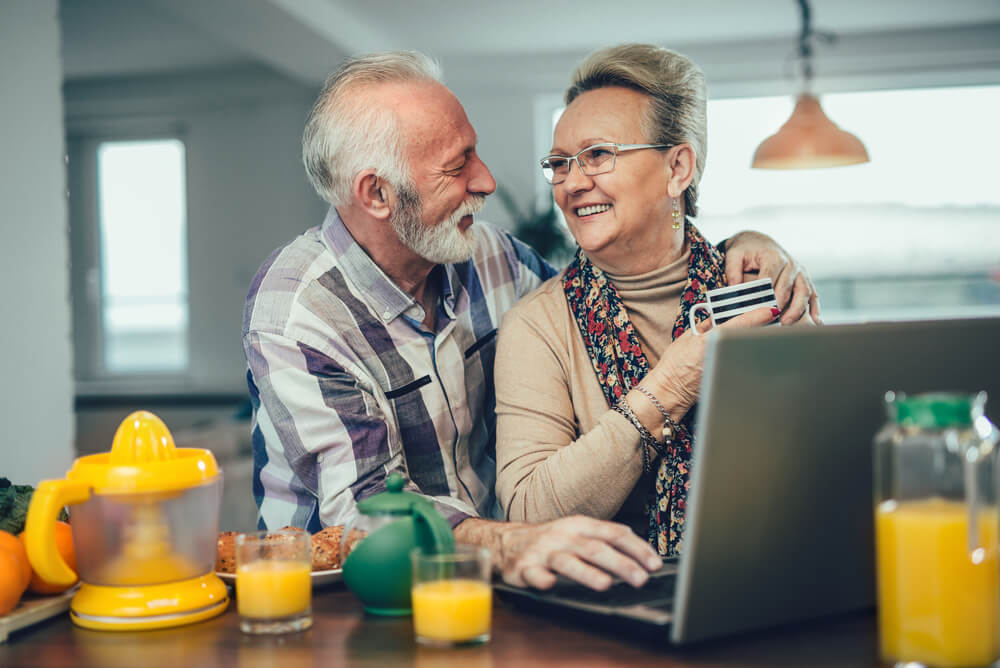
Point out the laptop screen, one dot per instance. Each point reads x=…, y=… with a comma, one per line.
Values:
x=780, y=517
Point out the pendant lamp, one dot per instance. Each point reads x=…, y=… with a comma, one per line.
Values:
x=808, y=139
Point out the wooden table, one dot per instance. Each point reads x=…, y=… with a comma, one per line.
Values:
x=342, y=635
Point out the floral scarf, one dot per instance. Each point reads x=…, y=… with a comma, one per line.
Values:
x=620, y=364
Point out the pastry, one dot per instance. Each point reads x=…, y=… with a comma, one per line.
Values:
x=225, y=558
x=326, y=548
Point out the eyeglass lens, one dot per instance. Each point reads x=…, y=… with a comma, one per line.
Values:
x=591, y=161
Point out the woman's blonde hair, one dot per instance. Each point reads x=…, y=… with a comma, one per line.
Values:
x=676, y=88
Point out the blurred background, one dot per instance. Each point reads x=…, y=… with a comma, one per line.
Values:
x=151, y=162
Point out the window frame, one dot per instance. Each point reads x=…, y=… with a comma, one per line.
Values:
x=82, y=145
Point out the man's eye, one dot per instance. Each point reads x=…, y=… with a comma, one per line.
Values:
x=557, y=164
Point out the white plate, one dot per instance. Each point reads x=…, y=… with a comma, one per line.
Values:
x=319, y=578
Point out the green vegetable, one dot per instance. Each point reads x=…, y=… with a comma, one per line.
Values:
x=14, y=500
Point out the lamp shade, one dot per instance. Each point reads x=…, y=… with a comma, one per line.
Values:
x=809, y=140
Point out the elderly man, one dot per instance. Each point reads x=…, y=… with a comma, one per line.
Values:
x=370, y=339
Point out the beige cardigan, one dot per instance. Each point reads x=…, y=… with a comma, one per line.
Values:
x=560, y=449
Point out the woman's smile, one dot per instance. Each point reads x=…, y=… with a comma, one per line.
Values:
x=588, y=211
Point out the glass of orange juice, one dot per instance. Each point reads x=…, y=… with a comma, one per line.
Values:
x=273, y=581
x=452, y=597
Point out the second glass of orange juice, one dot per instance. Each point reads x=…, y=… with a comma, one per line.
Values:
x=273, y=581
x=452, y=597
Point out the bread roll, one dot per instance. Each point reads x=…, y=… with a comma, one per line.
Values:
x=325, y=549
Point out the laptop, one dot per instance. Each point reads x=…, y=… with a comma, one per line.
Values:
x=780, y=511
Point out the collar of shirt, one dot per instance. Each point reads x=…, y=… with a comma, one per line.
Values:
x=386, y=299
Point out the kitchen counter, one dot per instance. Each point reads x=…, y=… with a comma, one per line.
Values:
x=342, y=635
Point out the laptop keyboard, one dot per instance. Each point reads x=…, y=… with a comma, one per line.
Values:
x=658, y=592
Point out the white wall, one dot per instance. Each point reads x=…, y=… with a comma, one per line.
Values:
x=36, y=394
x=247, y=194
x=504, y=123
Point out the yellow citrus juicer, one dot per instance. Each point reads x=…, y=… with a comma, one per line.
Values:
x=145, y=520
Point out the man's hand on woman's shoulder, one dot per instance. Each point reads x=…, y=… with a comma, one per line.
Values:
x=752, y=255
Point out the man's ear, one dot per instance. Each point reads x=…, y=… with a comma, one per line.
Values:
x=373, y=194
x=681, y=164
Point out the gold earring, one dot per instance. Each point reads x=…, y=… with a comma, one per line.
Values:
x=676, y=213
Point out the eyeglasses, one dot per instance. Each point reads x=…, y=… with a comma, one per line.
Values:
x=593, y=160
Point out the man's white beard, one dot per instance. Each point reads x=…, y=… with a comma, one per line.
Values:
x=443, y=243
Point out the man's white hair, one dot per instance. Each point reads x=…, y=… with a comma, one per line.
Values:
x=345, y=134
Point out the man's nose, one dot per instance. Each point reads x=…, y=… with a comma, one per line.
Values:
x=482, y=181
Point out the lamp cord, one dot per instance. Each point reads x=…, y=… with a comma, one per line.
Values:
x=807, y=38
x=805, y=41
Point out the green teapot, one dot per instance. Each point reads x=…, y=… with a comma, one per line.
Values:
x=376, y=546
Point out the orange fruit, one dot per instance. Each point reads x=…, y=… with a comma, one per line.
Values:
x=10, y=543
x=11, y=581
x=64, y=543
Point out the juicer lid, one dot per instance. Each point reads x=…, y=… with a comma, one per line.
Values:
x=144, y=459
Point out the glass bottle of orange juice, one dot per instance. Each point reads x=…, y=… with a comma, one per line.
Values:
x=936, y=526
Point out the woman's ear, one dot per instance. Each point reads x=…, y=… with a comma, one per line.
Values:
x=373, y=194
x=681, y=163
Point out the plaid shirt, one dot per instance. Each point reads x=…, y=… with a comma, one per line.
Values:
x=347, y=386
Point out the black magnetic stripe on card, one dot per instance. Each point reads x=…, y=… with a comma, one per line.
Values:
x=742, y=304
x=743, y=291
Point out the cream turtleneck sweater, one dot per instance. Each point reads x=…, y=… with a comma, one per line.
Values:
x=561, y=450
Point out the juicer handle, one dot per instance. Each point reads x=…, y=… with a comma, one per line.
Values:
x=433, y=531
x=39, y=530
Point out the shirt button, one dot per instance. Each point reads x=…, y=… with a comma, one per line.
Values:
x=387, y=315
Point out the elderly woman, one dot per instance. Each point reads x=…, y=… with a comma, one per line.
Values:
x=596, y=373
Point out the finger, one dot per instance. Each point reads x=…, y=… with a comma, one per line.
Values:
x=703, y=326
x=624, y=540
x=799, y=304
x=614, y=560
x=536, y=576
x=783, y=279
x=814, y=308
x=575, y=568
x=640, y=550
x=734, y=267
x=755, y=318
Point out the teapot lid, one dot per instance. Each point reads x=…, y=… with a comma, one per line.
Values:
x=393, y=501
x=144, y=459
x=939, y=410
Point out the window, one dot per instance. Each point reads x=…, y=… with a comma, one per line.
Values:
x=143, y=270
x=913, y=234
